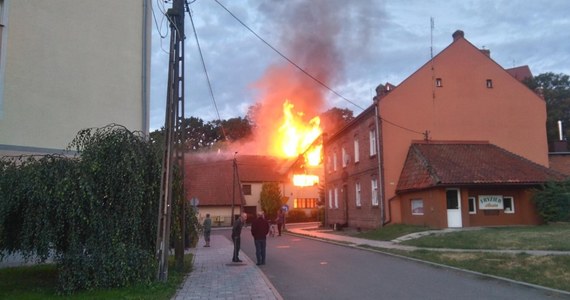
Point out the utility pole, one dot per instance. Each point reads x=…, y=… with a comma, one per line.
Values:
x=174, y=135
x=234, y=165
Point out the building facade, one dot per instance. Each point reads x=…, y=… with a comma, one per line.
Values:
x=224, y=186
x=67, y=65
x=461, y=95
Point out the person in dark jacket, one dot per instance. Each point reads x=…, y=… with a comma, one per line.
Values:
x=259, y=230
x=207, y=230
x=236, y=235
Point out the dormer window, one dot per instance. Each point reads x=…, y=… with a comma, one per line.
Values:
x=489, y=83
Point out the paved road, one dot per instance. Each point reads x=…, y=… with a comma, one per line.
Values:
x=302, y=268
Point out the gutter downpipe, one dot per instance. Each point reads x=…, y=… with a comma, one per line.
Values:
x=378, y=156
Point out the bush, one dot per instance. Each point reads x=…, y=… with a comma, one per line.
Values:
x=297, y=215
x=553, y=202
x=96, y=213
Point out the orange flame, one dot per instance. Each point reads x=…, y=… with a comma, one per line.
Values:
x=296, y=137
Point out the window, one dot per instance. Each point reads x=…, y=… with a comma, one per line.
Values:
x=356, y=150
x=305, y=203
x=472, y=205
x=344, y=158
x=374, y=184
x=372, y=142
x=438, y=82
x=335, y=197
x=417, y=207
x=246, y=188
x=330, y=198
x=334, y=161
x=509, y=204
x=357, y=188
x=489, y=83
x=329, y=163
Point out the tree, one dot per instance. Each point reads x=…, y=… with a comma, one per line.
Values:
x=235, y=128
x=271, y=199
x=93, y=213
x=555, y=88
x=335, y=118
x=553, y=201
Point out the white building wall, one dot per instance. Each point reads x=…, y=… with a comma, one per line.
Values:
x=71, y=65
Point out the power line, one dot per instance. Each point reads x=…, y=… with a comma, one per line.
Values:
x=425, y=134
x=287, y=59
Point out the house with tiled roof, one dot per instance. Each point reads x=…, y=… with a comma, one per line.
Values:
x=459, y=95
x=223, y=185
x=489, y=177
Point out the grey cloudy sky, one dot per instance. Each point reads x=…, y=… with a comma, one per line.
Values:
x=351, y=46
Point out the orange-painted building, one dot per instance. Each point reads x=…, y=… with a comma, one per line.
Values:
x=460, y=97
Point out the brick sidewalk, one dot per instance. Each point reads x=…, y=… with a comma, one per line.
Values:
x=214, y=276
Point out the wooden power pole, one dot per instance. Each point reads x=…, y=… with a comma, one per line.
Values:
x=174, y=137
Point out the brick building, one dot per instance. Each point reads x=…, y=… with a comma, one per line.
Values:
x=460, y=97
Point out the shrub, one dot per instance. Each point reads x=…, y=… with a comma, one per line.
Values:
x=553, y=201
x=95, y=213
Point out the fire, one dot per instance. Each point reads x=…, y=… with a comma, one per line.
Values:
x=296, y=137
x=305, y=180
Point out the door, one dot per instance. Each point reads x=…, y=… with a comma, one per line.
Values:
x=453, y=199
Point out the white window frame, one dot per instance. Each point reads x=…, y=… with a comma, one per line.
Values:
x=356, y=151
x=374, y=188
x=335, y=197
x=473, y=202
x=372, y=136
x=512, y=200
x=358, y=194
x=420, y=201
x=344, y=157
x=330, y=198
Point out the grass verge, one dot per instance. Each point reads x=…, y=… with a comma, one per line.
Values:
x=545, y=237
x=39, y=282
x=549, y=271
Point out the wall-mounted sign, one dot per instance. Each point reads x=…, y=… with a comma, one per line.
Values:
x=490, y=202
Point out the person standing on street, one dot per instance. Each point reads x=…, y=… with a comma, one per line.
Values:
x=207, y=230
x=259, y=230
x=280, y=220
x=236, y=235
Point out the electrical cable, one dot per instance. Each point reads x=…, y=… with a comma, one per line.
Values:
x=206, y=72
x=306, y=73
x=287, y=59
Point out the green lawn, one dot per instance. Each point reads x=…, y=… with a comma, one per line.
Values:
x=550, y=270
x=545, y=237
x=39, y=282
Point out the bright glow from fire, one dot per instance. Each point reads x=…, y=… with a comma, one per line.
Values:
x=296, y=136
x=305, y=180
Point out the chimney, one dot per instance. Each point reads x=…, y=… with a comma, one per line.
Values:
x=458, y=34
x=487, y=52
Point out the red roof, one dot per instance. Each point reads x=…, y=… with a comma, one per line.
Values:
x=210, y=177
x=520, y=73
x=431, y=164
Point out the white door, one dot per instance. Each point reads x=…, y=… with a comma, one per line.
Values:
x=453, y=199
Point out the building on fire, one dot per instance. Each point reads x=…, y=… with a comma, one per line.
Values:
x=459, y=143
x=218, y=183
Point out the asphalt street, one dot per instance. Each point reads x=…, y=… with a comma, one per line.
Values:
x=302, y=268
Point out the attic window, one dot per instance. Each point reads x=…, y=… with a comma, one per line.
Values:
x=246, y=188
x=438, y=82
x=489, y=83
